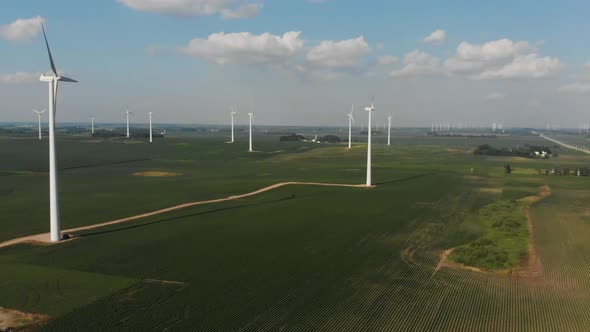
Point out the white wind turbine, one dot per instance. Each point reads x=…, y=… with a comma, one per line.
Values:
x=233, y=112
x=92, y=123
x=370, y=109
x=350, y=121
x=251, y=117
x=53, y=81
x=389, y=129
x=127, y=117
x=39, y=118
x=150, y=113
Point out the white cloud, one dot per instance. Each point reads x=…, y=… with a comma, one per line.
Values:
x=436, y=37
x=496, y=95
x=245, y=48
x=500, y=59
x=245, y=11
x=21, y=29
x=19, y=78
x=577, y=87
x=417, y=63
x=386, y=60
x=342, y=54
x=228, y=9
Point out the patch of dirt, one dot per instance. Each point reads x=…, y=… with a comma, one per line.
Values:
x=490, y=190
x=156, y=174
x=459, y=151
x=21, y=320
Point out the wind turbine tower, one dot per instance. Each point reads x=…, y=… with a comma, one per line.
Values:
x=370, y=110
x=251, y=117
x=232, y=113
x=39, y=118
x=350, y=121
x=53, y=81
x=389, y=129
x=150, y=113
x=92, y=124
x=127, y=117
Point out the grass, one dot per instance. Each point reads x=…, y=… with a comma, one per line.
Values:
x=294, y=259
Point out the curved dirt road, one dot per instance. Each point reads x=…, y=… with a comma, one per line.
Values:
x=43, y=238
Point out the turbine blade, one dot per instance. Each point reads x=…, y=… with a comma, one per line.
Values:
x=43, y=111
x=67, y=79
x=49, y=51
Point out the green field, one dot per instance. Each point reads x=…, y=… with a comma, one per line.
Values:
x=297, y=258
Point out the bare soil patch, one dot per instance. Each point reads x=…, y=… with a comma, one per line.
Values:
x=157, y=174
x=490, y=190
x=21, y=320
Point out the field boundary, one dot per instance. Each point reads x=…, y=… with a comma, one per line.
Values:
x=43, y=238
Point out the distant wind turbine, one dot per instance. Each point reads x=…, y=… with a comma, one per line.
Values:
x=39, y=118
x=53, y=81
x=350, y=121
x=251, y=117
x=150, y=113
x=389, y=129
x=127, y=117
x=370, y=109
x=233, y=112
x=92, y=124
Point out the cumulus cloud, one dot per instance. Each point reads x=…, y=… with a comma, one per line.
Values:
x=19, y=78
x=436, y=37
x=417, y=63
x=21, y=29
x=229, y=9
x=245, y=48
x=500, y=59
x=386, y=60
x=339, y=54
x=577, y=87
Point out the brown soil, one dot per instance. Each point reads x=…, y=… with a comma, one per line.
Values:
x=23, y=321
x=156, y=174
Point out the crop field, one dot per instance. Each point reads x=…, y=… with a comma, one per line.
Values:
x=299, y=257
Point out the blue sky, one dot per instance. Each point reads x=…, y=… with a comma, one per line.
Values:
x=519, y=62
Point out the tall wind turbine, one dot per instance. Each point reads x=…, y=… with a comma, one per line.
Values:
x=92, y=123
x=350, y=121
x=251, y=117
x=389, y=129
x=150, y=113
x=127, y=117
x=233, y=112
x=53, y=81
x=370, y=109
x=39, y=117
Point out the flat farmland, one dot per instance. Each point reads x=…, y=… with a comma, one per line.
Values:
x=295, y=258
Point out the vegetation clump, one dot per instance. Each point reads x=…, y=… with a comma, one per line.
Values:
x=504, y=242
x=526, y=151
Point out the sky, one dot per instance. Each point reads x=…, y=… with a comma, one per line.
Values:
x=300, y=62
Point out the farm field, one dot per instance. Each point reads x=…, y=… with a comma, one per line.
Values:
x=295, y=258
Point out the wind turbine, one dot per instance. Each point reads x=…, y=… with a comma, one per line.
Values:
x=39, y=116
x=150, y=113
x=251, y=117
x=233, y=112
x=370, y=109
x=127, y=116
x=53, y=81
x=389, y=129
x=350, y=121
x=92, y=123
